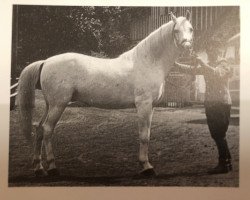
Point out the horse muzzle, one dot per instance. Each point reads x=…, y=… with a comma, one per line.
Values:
x=187, y=45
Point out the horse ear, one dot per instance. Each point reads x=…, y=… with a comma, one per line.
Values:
x=173, y=17
x=188, y=15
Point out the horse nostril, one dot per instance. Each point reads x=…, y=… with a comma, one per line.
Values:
x=187, y=45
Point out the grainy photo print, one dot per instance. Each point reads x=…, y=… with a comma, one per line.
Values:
x=124, y=96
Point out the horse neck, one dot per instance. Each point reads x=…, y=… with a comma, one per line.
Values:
x=158, y=49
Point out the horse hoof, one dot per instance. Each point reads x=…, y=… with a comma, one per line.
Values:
x=40, y=173
x=53, y=173
x=148, y=173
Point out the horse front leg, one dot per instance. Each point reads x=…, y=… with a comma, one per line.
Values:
x=145, y=113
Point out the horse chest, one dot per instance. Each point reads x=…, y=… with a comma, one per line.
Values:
x=151, y=82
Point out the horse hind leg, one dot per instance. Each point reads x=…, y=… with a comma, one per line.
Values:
x=54, y=114
x=37, y=159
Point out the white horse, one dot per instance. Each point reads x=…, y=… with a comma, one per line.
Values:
x=135, y=78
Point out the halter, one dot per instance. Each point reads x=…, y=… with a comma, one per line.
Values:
x=177, y=44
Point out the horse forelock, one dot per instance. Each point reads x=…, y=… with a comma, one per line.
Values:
x=182, y=21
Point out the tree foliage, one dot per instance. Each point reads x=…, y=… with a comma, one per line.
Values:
x=43, y=31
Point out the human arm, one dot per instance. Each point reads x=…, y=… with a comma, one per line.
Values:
x=193, y=69
x=183, y=68
x=221, y=70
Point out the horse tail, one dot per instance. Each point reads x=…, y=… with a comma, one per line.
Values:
x=27, y=83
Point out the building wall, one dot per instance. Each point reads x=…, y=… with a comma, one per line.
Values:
x=204, y=20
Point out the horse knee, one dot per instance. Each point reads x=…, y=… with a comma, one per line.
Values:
x=144, y=136
x=144, y=139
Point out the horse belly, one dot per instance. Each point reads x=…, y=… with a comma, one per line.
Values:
x=106, y=93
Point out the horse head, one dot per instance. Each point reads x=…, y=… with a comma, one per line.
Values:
x=182, y=31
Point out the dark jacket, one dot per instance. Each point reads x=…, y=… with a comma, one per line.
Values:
x=216, y=77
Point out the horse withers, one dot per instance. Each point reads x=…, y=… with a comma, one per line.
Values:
x=135, y=78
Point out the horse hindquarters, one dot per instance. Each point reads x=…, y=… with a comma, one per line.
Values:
x=58, y=89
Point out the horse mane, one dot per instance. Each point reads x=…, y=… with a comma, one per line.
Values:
x=153, y=45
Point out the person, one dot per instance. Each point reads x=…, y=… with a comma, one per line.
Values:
x=217, y=101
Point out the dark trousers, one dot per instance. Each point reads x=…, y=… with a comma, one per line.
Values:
x=218, y=116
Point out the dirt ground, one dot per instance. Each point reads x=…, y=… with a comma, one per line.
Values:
x=98, y=147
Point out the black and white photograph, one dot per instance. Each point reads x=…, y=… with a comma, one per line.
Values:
x=124, y=96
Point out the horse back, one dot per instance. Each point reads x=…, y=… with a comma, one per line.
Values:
x=88, y=79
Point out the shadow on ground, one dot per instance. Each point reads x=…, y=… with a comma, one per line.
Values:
x=234, y=121
x=234, y=110
x=100, y=180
